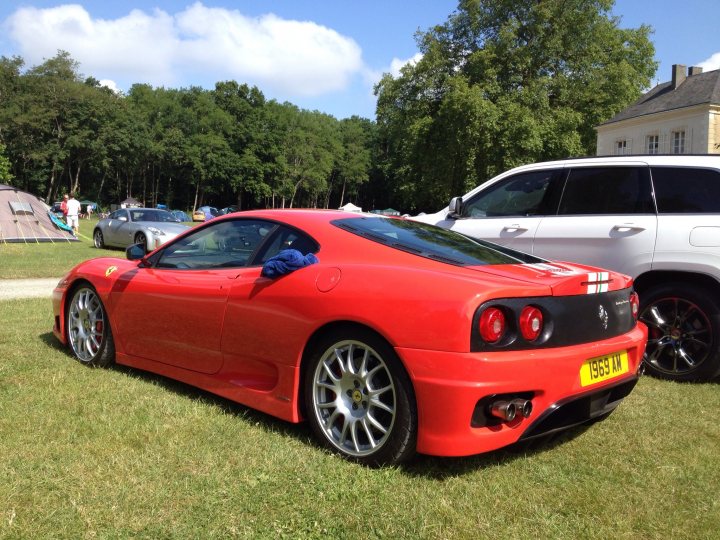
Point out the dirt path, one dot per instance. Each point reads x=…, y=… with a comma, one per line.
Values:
x=27, y=288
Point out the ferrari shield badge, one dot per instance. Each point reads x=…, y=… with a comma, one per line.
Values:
x=110, y=270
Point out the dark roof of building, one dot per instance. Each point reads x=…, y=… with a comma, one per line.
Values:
x=694, y=90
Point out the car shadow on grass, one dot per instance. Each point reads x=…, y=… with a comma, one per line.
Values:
x=432, y=467
x=446, y=468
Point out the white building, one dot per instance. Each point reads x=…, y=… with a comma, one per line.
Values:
x=681, y=116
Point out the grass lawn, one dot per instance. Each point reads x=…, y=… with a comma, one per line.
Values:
x=51, y=259
x=118, y=453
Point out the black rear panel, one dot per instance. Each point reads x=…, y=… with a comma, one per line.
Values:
x=568, y=320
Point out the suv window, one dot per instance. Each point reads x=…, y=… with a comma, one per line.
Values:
x=607, y=190
x=686, y=190
x=524, y=194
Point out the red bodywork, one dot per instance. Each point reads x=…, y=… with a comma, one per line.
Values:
x=243, y=336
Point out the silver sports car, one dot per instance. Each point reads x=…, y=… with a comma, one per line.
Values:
x=150, y=227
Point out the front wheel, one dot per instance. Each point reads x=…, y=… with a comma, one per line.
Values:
x=141, y=239
x=683, y=323
x=359, y=399
x=98, y=239
x=88, y=329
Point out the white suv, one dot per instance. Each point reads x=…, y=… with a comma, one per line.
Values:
x=656, y=218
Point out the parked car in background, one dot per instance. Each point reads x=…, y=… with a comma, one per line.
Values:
x=655, y=218
x=56, y=209
x=180, y=216
x=149, y=227
x=229, y=209
x=396, y=336
x=205, y=213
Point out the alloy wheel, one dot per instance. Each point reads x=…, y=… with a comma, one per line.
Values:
x=679, y=336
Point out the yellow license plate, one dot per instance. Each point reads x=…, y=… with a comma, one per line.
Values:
x=603, y=368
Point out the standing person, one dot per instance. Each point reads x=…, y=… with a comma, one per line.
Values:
x=63, y=207
x=89, y=211
x=73, y=211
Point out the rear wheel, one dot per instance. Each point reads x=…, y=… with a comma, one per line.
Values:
x=359, y=399
x=98, y=239
x=683, y=323
x=88, y=329
x=141, y=239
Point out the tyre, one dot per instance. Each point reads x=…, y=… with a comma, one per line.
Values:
x=88, y=329
x=140, y=238
x=683, y=323
x=359, y=399
x=98, y=239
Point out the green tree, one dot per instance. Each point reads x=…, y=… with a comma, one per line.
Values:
x=502, y=83
x=5, y=175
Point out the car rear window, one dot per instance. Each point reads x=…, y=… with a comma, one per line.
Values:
x=432, y=242
x=686, y=190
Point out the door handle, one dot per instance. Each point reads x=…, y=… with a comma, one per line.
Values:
x=514, y=227
x=626, y=227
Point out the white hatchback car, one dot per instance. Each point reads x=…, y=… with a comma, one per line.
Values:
x=656, y=218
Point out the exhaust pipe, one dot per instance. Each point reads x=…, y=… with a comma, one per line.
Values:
x=523, y=407
x=505, y=410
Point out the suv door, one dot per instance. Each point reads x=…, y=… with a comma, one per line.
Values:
x=688, y=200
x=606, y=218
x=508, y=211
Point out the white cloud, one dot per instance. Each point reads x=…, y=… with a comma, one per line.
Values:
x=397, y=64
x=112, y=85
x=372, y=77
x=198, y=45
x=711, y=63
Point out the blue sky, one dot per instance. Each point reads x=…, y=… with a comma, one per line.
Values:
x=318, y=54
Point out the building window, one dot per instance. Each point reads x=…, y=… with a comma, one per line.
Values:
x=621, y=147
x=678, y=142
x=653, y=144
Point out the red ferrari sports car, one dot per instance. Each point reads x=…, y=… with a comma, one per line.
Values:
x=389, y=336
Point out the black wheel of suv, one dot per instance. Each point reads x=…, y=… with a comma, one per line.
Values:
x=359, y=399
x=683, y=323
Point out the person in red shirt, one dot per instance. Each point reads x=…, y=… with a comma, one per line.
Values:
x=63, y=207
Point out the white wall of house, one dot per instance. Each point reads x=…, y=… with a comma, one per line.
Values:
x=714, y=131
x=694, y=130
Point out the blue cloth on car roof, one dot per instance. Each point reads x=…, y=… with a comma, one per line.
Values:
x=287, y=261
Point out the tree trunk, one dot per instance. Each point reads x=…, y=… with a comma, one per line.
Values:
x=342, y=193
x=76, y=183
x=197, y=191
x=295, y=189
x=51, y=188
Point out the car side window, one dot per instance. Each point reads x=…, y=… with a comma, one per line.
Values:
x=524, y=194
x=686, y=190
x=607, y=190
x=224, y=244
x=286, y=238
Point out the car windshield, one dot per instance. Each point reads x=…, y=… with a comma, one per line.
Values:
x=162, y=216
x=432, y=242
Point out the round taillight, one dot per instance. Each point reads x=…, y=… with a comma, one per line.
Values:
x=635, y=304
x=492, y=325
x=531, y=323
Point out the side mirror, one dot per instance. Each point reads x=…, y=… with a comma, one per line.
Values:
x=455, y=207
x=135, y=252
